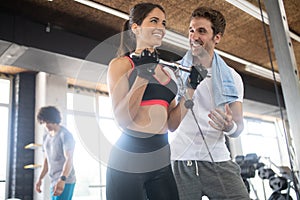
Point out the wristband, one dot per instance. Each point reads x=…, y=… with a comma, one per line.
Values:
x=232, y=131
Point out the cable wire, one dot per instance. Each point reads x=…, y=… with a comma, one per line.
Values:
x=189, y=104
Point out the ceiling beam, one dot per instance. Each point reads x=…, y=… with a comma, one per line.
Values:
x=11, y=54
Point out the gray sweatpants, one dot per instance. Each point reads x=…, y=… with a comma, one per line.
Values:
x=217, y=181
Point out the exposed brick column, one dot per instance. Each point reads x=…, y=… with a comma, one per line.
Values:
x=20, y=180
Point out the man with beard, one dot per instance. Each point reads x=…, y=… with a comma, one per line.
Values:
x=201, y=161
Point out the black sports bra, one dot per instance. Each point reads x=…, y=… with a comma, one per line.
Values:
x=156, y=92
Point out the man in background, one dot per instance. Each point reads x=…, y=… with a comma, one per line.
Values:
x=58, y=145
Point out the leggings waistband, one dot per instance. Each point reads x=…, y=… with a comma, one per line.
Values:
x=140, y=142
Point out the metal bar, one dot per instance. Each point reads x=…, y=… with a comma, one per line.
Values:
x=288, y=72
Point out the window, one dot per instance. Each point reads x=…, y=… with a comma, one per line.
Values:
x=5, y=89
x=266, y=139
x=264, y=135
x=90, y=119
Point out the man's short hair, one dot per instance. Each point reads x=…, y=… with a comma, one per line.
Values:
x=216, y=18
x=49, y=114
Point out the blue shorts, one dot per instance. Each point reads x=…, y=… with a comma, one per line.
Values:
x=67, y=193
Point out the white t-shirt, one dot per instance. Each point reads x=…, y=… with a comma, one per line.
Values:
x=186, y=142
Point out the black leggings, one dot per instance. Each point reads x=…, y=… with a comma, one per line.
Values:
x=139, y=168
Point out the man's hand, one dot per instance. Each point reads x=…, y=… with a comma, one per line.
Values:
x=197, y=74
x=221, y=120
x=59, y=188
x=38, y=186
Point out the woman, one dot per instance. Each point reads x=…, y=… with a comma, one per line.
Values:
x=142, y=95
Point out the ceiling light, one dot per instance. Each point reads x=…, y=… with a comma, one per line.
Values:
x=255, y=12
x=255, y=69
x=176, y=40
x=170, y=37
x=251, y=67
x=103, y=8
x=250, y=9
